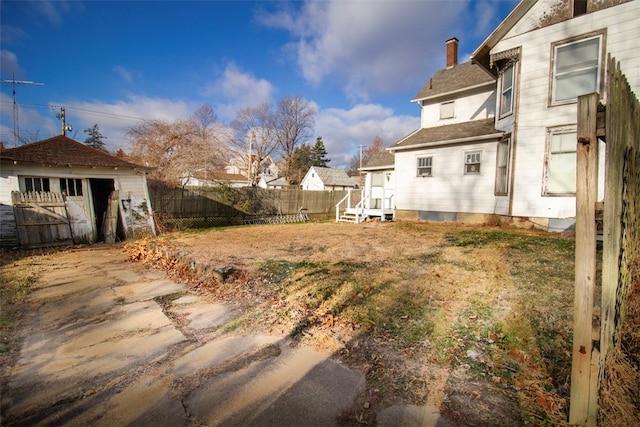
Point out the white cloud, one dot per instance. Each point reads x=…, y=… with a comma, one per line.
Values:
x=54, y=11
x=380, y=47
x=9, y=65
x=343, y=131
x=236, y=89
x=369, y=47
x=114, y=119
x=124, y=74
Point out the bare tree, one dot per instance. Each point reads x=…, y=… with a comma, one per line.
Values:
x=209, y=131
x=362, y=158
x=167, y=146
x=254, y=138
x=294, y=120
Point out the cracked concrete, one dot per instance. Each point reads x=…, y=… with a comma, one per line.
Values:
x=112, y=343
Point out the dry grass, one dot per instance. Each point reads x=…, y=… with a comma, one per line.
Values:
x=473, y=320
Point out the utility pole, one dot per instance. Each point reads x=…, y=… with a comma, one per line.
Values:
x=14, y=82
x=62, y=116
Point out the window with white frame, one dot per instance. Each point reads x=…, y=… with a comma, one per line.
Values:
x=71, y=186
x=506, y=98
x=425, y=166
x=36, y=184
x=502, y=168
x=560, y=173
x=447, y=110
x=472, y=162
x=576, y=69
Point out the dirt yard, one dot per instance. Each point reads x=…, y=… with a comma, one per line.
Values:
x=475, y=321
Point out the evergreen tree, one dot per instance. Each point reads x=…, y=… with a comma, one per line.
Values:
x=95, y=138
x=300, y=163
x=318, y=154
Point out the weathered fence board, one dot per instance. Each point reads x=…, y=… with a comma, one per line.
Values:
x=41, y=219
x=206, y=206
x=621, y=241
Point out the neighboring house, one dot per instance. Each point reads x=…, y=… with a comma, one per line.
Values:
x=73, y=188
x=212, y=178
x=498, y=134
x=323, y=179
x=267, y=167
x=272, y=183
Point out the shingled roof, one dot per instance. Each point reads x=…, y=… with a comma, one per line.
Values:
x=457, y=133
x=63, y=151
x=383, y=160
x=453, y=79
x=334, y=177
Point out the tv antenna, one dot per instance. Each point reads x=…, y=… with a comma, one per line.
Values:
x=14, y=82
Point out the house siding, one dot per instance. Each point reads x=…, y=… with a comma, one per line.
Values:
x=621, y=28
x=471, y=107
x=449, y=189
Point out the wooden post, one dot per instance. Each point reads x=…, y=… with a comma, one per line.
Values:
x=585, y=264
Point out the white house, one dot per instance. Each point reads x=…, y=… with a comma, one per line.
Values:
x=545, y=54
x=322, y=179
x=269, y=182
x=498, y=133
x=449, y=167
x=73, y=188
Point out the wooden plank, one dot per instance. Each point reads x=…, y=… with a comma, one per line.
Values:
x=612, y=226
x=585, y=265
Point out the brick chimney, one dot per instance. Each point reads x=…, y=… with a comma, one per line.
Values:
x=452, y=52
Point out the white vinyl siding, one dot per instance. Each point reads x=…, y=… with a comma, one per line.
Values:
x=576, y=69
x=448, y=189
x=561, y=163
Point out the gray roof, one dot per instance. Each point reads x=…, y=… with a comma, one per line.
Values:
x=277, y=182
x=334, y=177
x=456, y=78
x=449, y=134
x=383, y=160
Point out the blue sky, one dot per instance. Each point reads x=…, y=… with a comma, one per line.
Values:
x=116, y=63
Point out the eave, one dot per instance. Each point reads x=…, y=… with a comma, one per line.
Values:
x=446, y=142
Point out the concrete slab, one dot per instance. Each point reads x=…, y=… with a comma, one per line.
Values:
x=205, y=315
x=216, y=352
x=141, y=290
x=300, y=387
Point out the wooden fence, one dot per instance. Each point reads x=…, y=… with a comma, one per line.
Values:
x=41, y=219
x=621, y=238
x=213, y=206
